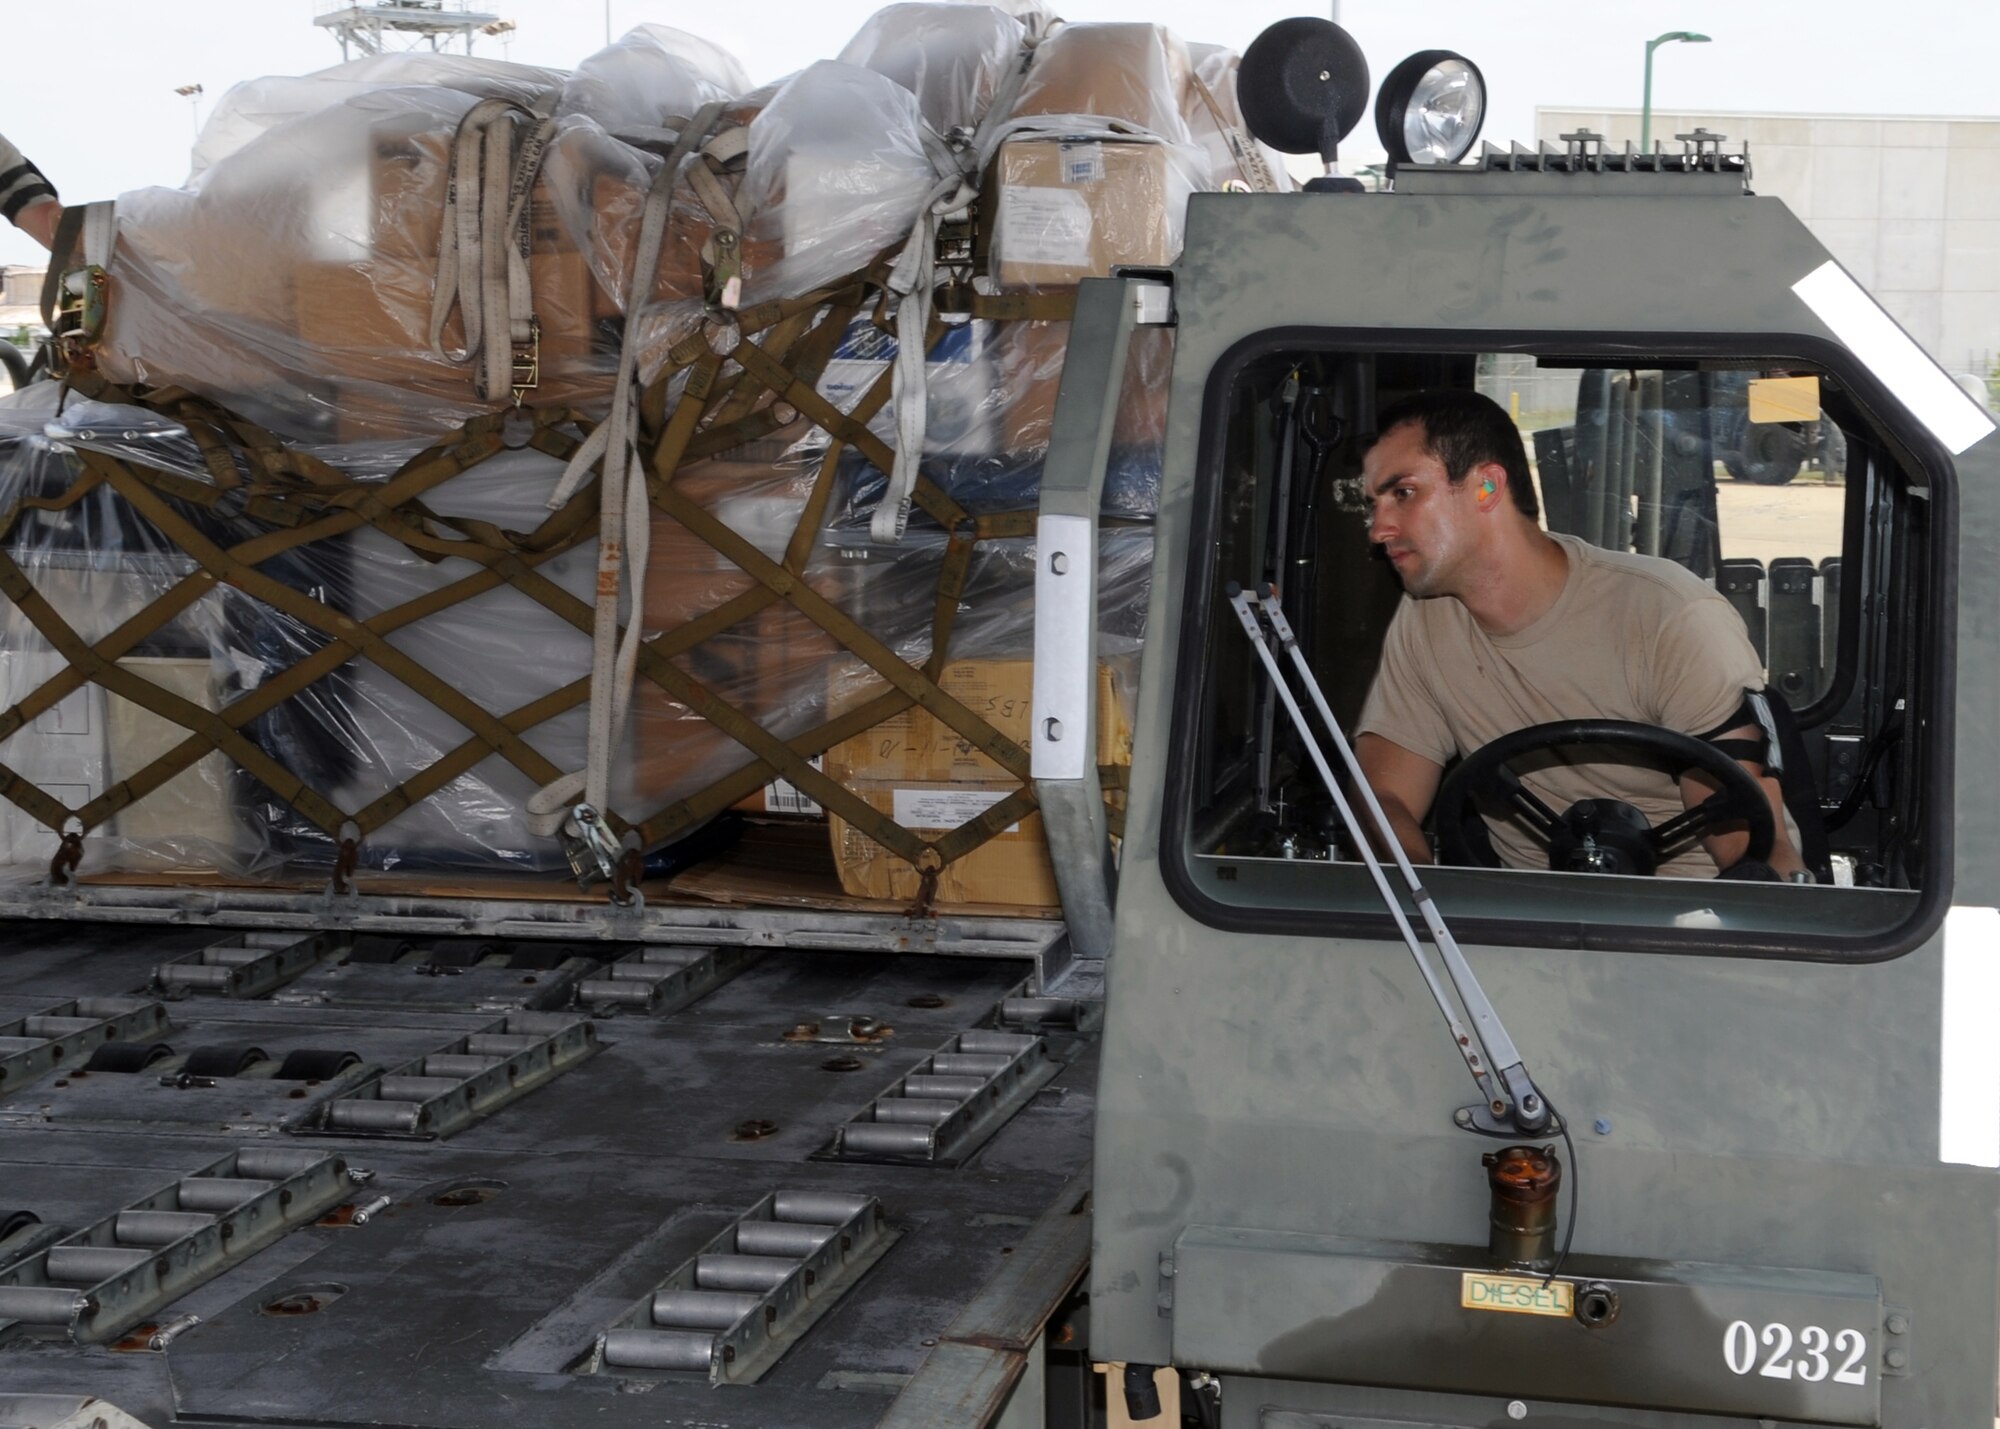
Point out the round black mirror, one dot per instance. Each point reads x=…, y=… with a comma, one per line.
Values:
x=1302, y=85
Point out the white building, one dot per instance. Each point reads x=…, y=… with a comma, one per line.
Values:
x=1910, y=206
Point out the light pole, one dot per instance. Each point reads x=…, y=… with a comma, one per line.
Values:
x=192, y=94
x=1687, y=37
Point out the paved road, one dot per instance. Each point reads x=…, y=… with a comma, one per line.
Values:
x=1798, y=519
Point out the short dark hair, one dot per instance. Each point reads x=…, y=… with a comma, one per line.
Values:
x=1463, y=430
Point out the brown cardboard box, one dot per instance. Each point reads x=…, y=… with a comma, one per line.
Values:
x=1134, y=72
x=1065, y=210
x=924, y=775
x=620, y=207
x=1029, y=361
x=367, y=326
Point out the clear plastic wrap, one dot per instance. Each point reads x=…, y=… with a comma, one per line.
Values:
x=1133, y=73
x=952, y=57
x=251, y=109
x=98, y=564
x=1097, y=159
x=650, y=78
x=291, y=282
x=838, y=171
x=294, y=283
x=1215, y=120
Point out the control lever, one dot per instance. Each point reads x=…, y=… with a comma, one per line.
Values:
x=1510, y=1105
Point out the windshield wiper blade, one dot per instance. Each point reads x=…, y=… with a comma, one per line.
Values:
x=1511, y=1104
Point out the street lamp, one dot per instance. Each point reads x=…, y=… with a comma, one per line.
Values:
x=192, y=94
x=1687, y=37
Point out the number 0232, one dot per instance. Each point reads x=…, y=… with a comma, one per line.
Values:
x=1810, y=1354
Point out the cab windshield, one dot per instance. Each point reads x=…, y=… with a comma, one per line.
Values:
x=1761, y=478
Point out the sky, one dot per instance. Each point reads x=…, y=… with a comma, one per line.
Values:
x=91, y=94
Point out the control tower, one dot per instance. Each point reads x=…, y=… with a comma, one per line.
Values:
x=389, y=25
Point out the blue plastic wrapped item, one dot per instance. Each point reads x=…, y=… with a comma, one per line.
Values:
x=1006, y=481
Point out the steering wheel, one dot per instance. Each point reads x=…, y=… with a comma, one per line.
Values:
x=1596, y=835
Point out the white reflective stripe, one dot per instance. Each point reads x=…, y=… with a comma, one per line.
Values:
x=1062, y=739
x=1968, y=1049
x=1892, y=355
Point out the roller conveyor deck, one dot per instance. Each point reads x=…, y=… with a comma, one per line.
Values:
x=478, y=1276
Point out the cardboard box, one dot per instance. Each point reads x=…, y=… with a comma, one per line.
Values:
x=923, y=774
x=195, y=804
x=1131, y=71
x=367, y=329
x=1028, y=358
x=1068, y=210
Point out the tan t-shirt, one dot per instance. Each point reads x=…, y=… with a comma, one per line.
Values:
x=1630, y=637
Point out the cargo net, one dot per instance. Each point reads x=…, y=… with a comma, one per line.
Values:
x=251, y=625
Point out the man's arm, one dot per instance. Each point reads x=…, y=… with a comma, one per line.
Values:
x=27, y=199
x=1404, y=784
x=1727, y=844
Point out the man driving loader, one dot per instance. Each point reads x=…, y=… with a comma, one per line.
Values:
x=1505, y=628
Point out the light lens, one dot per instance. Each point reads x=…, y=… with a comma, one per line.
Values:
x=1444, y=113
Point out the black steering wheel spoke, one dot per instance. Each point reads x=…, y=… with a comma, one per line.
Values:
x=1538, y=815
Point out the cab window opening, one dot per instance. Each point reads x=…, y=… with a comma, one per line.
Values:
x=1762, y=477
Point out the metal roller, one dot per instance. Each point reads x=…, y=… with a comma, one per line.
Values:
x=1004, y=1044
x=103, y=1007
x=233, y=957
x=501, y=1044
x=796, y=1239
x=923, y=1111
x=220, y=1193
x=670, y=957
x=11, y=1045
x=368, y=1114
x=458, y=1065
x=960, y=1064
x=888, y=1139
x=629, y=971
x=197, y=975
x=658, y=1349
x=47, y=1027
x=1040, y=1011
x=275, y=1163
x=417, y=1089
x=159, y=1227
x=604, y=989
x=88, y=1264
x=702, y=1309
x=742, y=1272
x=920, y=1084
x=826, y=1208
x=40, y=1304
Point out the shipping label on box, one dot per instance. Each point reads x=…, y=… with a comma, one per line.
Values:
x=1066, y=210
x=931, y=779
x=1042, y=227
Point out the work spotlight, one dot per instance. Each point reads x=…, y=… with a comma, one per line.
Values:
x=1430, y=108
